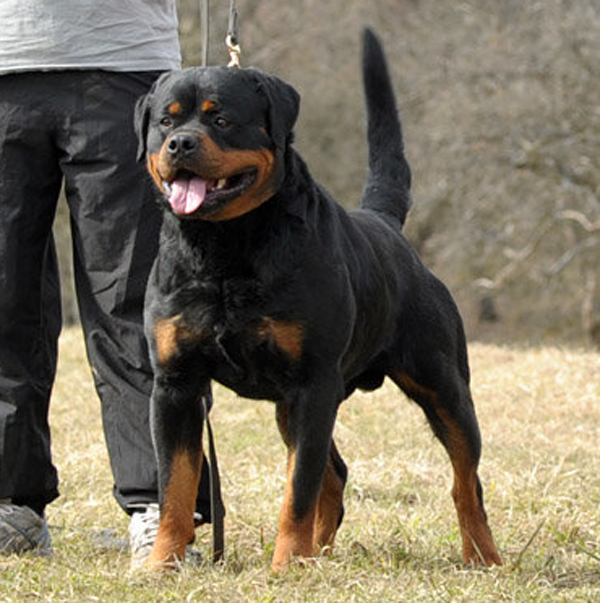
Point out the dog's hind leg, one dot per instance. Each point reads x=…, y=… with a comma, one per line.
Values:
x=330, y=506
x=447, y=403
x=311, y=509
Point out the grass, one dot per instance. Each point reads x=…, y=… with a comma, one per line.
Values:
x=540, y=417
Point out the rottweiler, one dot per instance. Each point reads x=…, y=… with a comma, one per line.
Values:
x=268, y=286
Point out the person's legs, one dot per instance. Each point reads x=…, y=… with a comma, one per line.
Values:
x=114, y=226
x=29, y=291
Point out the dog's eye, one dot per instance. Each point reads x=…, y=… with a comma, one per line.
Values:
x=221, y=122
x=167, y=122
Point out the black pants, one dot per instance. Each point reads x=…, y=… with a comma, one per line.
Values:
x=74, y=126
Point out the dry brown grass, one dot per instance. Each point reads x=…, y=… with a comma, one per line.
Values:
x=540, y=418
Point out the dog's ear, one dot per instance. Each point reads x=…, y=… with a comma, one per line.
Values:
x=141, y=119
x=283, y=106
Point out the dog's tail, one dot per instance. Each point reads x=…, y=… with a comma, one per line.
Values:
x=388, y=180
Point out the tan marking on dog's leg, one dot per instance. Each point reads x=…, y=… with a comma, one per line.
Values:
x=477, y=541
x=329, y=507
x=166, y=338
x=176, y=528
x=295, y=537
x=170, y=334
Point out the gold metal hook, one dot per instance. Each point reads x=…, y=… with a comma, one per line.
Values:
x=234, y=51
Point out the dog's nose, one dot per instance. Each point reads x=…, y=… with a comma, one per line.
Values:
x=182, y=145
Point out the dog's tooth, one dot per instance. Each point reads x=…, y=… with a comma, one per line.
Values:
x=167, y=187
x=221, y=183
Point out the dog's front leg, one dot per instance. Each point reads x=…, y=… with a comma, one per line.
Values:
x=177, y=417
x=306, y=425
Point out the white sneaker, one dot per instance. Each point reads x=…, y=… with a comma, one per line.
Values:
x=143, y=528
x=23, y=530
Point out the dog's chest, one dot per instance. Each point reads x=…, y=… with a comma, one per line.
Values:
x=234, y=327
x=259, y=359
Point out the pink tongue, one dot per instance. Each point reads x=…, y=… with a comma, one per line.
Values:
x=186, y=196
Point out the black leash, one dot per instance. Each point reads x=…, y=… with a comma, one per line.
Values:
x=232, y=39
x=205, y=21
x=217, y=508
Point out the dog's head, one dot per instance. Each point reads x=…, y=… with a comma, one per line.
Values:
x=214, y=139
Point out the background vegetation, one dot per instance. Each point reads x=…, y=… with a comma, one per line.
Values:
x=499, y=101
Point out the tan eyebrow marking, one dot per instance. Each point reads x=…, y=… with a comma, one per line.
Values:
x=174, y=108
x=208, y=105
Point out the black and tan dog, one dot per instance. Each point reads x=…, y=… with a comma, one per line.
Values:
x=265, y=284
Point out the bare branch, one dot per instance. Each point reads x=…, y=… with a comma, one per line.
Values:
x=581, y=219
x=571, y=254
x=517, y=258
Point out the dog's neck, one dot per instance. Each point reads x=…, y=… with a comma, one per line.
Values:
x=209, y=245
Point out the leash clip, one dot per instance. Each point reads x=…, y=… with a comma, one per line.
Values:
x=231, y=40
x=234, y=51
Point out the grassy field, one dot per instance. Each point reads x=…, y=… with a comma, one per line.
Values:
x=539, y=411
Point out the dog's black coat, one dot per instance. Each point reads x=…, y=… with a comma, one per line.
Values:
x=297, y=301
